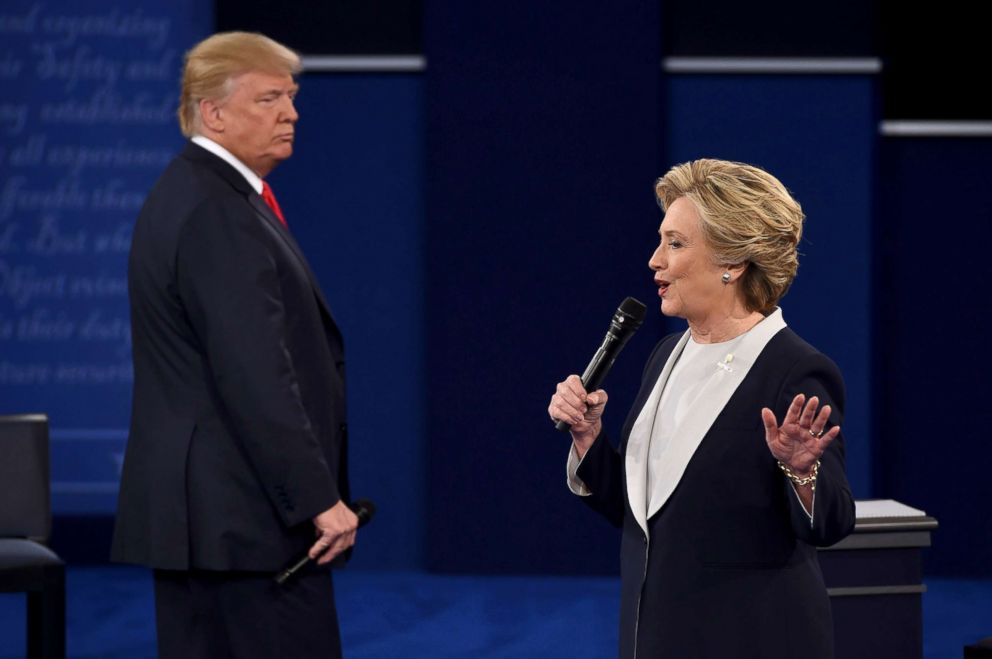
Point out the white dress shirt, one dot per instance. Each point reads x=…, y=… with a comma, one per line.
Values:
x=253, y=179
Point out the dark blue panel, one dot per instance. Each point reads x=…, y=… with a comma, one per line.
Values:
x=772, y=28
x=817, y=135
x=87, y=122
x=543, y=146
x=318, y=27
x=933, y=329
x=353, y=197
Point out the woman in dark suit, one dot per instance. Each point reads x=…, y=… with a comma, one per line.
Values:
x=730, y=466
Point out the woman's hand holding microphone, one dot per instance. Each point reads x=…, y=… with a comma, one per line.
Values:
x=572, y=404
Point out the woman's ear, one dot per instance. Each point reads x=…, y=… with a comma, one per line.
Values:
x=735, y=271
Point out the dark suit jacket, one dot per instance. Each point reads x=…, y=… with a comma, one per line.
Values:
x=238, y=434
x=730, y=569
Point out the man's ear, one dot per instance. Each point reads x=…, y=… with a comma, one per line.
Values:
x=211, y=115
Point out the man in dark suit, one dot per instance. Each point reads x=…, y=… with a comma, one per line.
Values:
x=236, y=457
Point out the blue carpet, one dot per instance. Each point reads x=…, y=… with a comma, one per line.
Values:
x=413, y=615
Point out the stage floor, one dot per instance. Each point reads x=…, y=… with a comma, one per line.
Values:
x=416, y=615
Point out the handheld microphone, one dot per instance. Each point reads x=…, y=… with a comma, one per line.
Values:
x=363, y=509
x=625, y=322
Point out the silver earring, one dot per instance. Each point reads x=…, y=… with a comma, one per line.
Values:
x=725, y=278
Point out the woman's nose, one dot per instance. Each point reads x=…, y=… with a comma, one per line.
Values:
x=657, y=259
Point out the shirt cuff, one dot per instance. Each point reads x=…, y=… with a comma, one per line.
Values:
x=575, y=483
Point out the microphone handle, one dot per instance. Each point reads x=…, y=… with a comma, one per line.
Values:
x=286, y=574
x=363, y=514
x=597, y=369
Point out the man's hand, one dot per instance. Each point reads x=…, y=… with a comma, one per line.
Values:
x=336, y=528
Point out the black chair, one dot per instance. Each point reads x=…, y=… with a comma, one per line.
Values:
x=26, y=564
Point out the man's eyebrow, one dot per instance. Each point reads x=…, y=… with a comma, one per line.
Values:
x=279, y=91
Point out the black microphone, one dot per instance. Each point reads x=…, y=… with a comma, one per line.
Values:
x=363, y=509
x=625, y=322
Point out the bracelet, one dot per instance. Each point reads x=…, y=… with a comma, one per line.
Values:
x=801, y=480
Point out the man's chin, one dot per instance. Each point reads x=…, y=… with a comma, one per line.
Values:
x=273, y=160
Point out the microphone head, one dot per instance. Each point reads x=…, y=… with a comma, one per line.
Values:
x=634, y=308
x=629, y=317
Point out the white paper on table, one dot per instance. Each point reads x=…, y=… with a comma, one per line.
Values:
x=884, y=508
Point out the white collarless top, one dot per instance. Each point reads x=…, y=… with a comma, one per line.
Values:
x=676, y=415
x=691, y=376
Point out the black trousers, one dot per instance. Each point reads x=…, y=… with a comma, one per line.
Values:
x=245, y=615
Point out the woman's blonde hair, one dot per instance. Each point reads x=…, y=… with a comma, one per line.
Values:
x=747, y=216
x=212, y=65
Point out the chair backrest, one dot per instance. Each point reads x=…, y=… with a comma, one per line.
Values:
x=25, y=501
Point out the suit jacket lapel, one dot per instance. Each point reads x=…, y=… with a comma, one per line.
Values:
x=270, y=218
x=697, y=422
x=636, y=453
x=200, y=155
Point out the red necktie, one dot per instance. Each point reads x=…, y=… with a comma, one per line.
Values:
x=270, y=199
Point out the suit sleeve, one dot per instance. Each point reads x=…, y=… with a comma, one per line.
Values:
x=601, y=469
x=229, y=283
x=833, y=503
x=601, y=472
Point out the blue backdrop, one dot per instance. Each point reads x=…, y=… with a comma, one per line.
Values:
x=931, y=339
x=87, y=125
